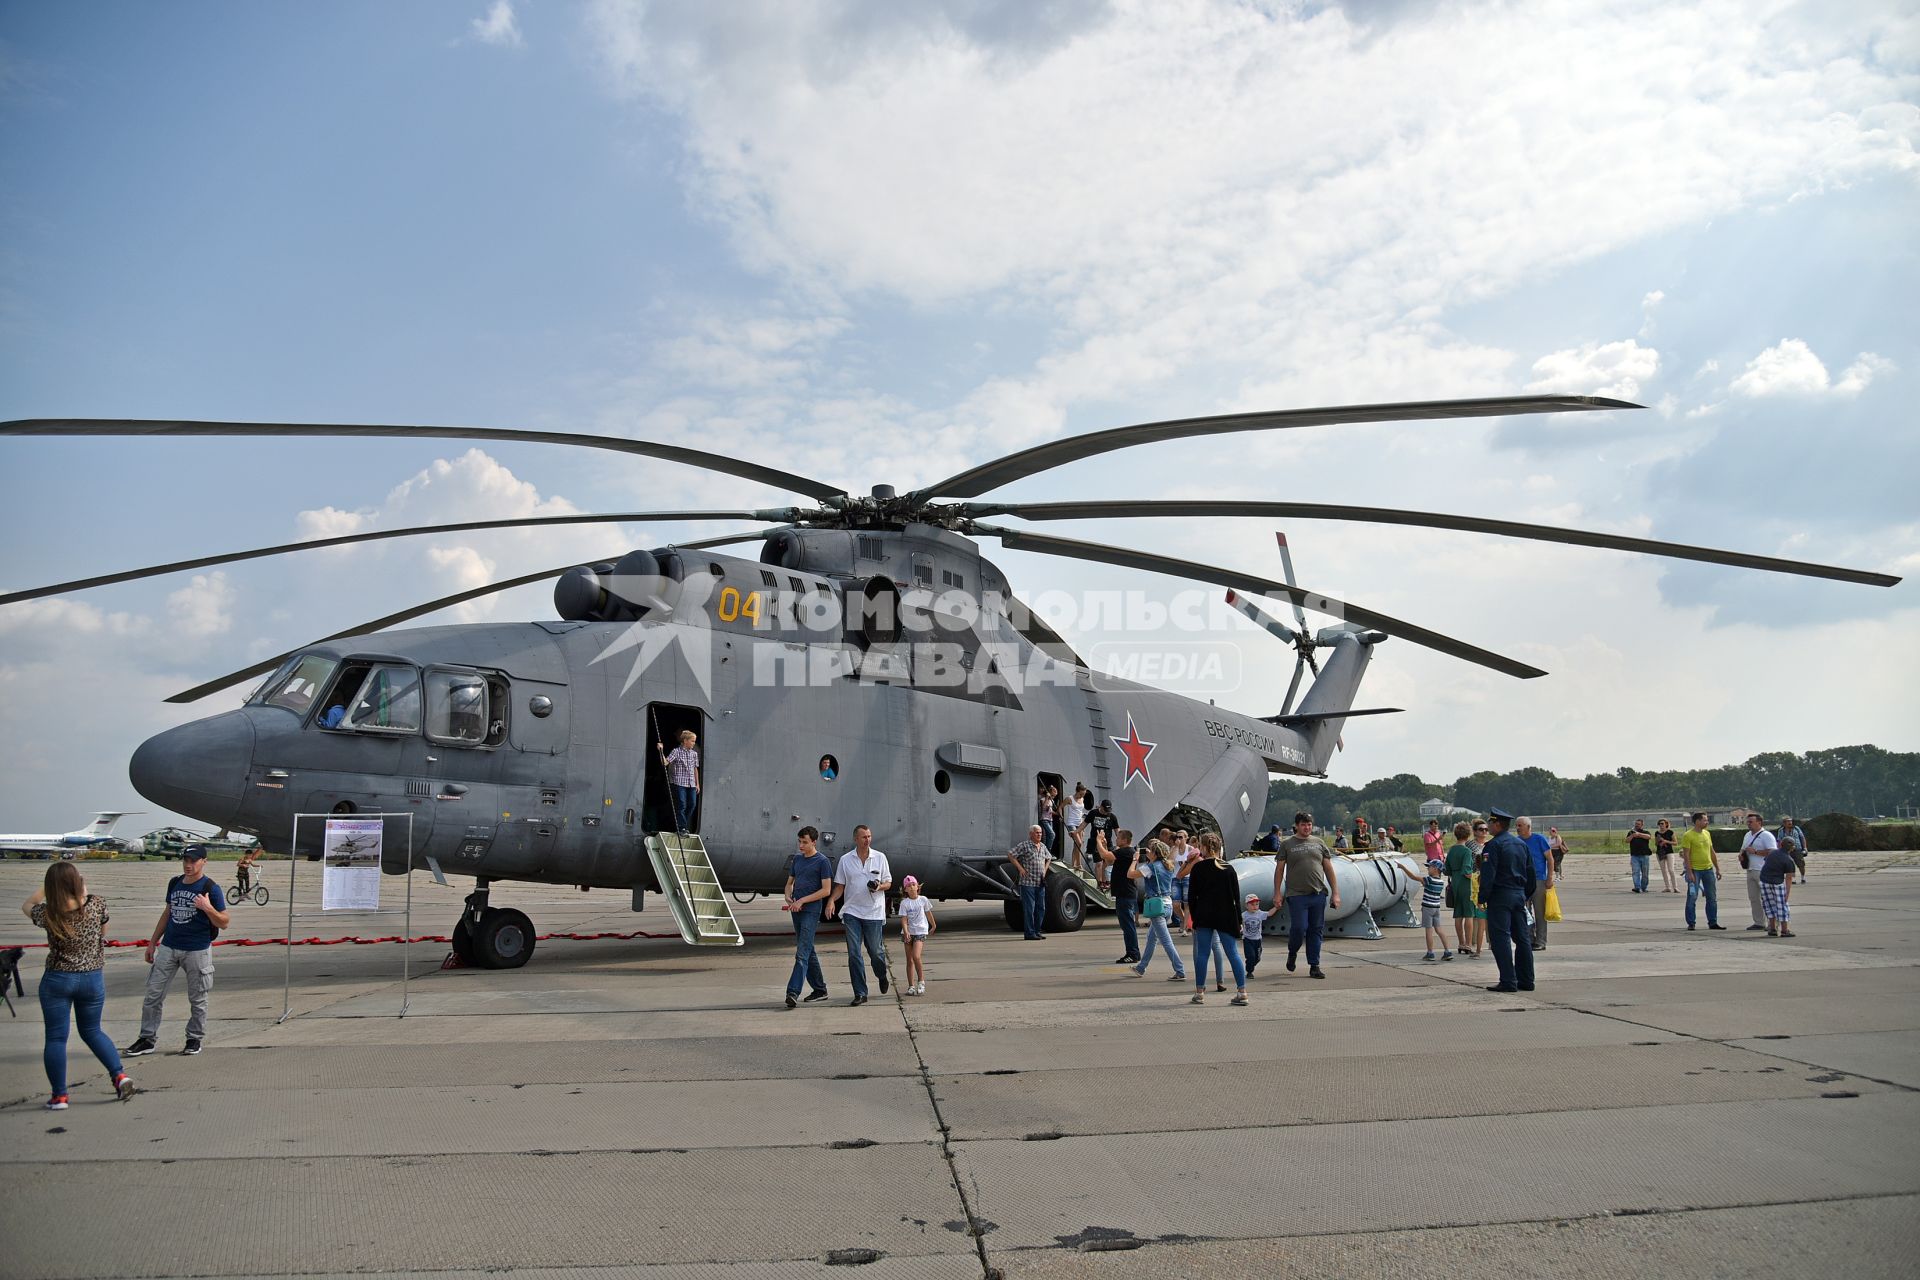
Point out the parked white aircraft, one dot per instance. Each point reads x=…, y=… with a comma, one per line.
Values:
x=98, y=831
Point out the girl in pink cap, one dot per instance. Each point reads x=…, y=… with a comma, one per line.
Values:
x=916, y=922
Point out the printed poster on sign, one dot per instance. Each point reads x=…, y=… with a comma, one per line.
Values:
x=350, y=867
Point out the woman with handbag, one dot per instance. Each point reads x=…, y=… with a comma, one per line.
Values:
x=1156, y=904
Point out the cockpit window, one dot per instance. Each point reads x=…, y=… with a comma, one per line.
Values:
x=388, y=702
x=297, y=690
x=457, y=707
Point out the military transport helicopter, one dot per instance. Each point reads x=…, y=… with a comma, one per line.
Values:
x=869, y=666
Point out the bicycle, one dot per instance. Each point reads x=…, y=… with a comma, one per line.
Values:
x=254, y=888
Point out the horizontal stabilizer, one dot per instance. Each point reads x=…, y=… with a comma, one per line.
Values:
x=1315, y=717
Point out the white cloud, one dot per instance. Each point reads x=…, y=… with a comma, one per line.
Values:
x=498, y=26
x=329, y=522
x=202, y=608
x=1605, y=369
x=1648, y=305
x=1790, y=367
x=464, y=569
x=1862, y=371
x=57, y=614
x=1104, y=175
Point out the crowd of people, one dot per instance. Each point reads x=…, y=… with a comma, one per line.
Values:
x=1493, y=888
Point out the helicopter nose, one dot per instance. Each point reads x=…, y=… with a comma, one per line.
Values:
x=198, y=769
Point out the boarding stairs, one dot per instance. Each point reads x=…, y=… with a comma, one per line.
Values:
x=1089, y=887
x=693, y=891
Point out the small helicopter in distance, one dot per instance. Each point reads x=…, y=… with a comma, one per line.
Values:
x=870, y=666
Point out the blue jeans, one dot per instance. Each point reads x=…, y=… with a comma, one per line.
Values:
x=1157, y=934
x=75, y=997
x=1704, y=882
x=1506, y=927
x=864, y=935
x=1129, y=932
x=1641, y=864
x=1253, y=947
x=806, y=960
x=1306, y=920
x=686, y=800
x=1204, y=942
x=1033, y=908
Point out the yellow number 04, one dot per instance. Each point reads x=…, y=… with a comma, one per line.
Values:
x=732, y=605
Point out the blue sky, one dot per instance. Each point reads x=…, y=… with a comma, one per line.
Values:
x=877, y=243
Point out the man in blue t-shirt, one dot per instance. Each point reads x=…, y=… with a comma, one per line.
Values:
x=808, y=883
x=195, y=913
x=1542, y=851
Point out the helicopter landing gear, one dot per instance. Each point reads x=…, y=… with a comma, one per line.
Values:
x=1066, y=904
x=1016, y=915
x=492, y=937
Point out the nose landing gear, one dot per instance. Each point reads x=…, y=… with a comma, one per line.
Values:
x=492, y=937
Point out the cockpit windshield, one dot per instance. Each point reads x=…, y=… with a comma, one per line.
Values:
x=297, y=690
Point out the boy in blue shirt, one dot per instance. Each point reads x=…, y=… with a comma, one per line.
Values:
x=1433, y=896
x=1252, y=926
x=195, y=913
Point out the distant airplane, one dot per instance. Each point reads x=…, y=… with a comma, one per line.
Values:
x=99, y=831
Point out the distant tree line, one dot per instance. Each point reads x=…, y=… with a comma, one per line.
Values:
x=1865, y=780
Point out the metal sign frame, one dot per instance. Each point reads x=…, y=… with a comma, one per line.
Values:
x=406, y=911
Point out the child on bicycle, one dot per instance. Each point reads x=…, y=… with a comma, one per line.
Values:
x=916, y=922
x=245, y=869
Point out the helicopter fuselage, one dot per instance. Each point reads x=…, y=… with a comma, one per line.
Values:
x=530, y=751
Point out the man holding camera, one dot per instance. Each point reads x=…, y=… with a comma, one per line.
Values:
x=860, y=884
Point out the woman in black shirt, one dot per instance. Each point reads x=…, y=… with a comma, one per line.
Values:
x=1213, y=899
x=1663, y=847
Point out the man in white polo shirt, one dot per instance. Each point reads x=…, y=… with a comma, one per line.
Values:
x=860, y=884
x=1753, y=852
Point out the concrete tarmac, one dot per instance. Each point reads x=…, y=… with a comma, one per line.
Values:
x=1665, y=1103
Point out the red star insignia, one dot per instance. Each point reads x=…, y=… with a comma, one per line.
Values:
x=1136, y=750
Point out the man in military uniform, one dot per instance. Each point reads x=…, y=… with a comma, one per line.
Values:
x=1506, y=886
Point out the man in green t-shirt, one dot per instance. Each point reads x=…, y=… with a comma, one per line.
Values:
x=1703, y=871
x=1304, y=886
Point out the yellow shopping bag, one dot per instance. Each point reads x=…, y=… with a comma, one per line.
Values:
x=1553, y=905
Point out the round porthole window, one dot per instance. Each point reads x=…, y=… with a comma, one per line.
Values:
x=541, y=705
x=941, y=781
x=829, y=768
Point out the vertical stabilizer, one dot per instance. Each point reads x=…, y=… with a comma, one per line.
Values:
x=1334, y=691
x=101, y=827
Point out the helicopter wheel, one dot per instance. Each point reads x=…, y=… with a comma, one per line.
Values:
x=1016, y=915
x=504, y=939
x=1066, y=904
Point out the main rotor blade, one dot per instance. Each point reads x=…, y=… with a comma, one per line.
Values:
x=1020, y=540
x=531, y=522
x=1286, y=569
x=261, y=668
x=1427, y=520
x=616, y=444
x=1044, y=457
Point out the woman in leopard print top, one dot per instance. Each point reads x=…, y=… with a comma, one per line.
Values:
x=74, y=987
